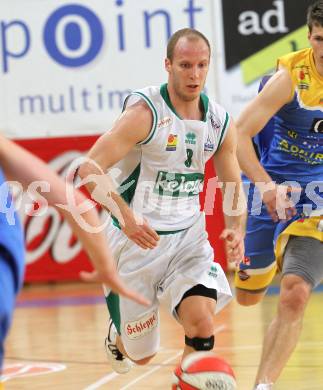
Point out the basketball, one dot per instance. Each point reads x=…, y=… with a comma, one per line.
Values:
x=203, y=371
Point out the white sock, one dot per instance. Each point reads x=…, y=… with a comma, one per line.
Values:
x=264, y=386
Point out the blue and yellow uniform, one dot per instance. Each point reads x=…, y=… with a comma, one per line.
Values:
x=291, y=149
x=12, y=255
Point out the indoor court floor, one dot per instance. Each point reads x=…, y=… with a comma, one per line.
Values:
x=58, y=332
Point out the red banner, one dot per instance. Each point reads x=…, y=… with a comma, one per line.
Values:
x=53, y=253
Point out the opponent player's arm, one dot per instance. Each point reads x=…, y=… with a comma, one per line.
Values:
x=258, y=112
x=275, y=94
x=234, y=205
x=20, y=165
x=132, y=127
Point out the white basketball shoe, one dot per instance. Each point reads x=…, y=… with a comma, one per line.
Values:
x=119, y=363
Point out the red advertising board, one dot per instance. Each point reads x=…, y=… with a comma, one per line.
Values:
x=53, y=253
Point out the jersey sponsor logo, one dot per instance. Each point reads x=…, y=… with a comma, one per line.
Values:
x=178, y=184
x=305, y=153
x=303, y=77
x=171, y=142
x=317, y=125
x=144, y=325
x=164, y=122
x=190, y=138
x=209, y=145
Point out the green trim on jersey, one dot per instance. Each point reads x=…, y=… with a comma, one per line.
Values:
x=155, y=116
x=153, y=110
x=223, y=129
x=129, y=193
x=205, y=103
x=165, y=95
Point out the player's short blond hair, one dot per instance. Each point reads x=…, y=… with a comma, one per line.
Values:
x=190, y=34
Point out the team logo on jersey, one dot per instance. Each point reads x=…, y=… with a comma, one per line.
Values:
x=171, y=142
x=208, y=146
x=164, y=122
x=317, y=125
x=213, y=273
x=303, y=78
x=190, y=138
x=178, y=184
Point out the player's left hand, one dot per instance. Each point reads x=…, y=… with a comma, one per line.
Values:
x=234, y=243
x=112, y=280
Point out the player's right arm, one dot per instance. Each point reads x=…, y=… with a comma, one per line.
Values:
x=275, y=94
x=132, y=127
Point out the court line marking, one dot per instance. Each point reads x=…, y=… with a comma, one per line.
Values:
x=102, y=381
x=113, y=375
x=152, y=370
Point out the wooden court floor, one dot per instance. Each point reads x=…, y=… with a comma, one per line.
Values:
x=56, y=342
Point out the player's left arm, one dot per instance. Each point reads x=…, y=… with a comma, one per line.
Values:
x=234, y=204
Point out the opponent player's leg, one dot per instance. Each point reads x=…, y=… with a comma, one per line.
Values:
x=255, y=273
x=196, y=315
x=302, y=270
x=7, y=299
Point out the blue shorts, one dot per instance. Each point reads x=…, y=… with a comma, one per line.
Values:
x=8, y=293
x=257, y=271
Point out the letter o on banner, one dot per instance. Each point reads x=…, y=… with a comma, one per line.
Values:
x=73, y=35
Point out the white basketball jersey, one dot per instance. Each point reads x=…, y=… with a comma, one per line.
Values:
x=161, y=178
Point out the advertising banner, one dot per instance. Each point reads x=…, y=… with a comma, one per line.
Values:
x=252, y=35
x=53, y=252
x=66, y=67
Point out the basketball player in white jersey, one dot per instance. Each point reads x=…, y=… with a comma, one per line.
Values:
x=156, y=151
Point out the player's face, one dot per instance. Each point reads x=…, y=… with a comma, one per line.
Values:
x=189, y=67
x=316, y=41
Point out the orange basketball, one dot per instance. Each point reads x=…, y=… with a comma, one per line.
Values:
x=203, y=371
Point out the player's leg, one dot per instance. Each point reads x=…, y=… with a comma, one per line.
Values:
x=255, y=273
x=129, y=339
x=7, y=299
x=302, y=270
x=194, y=286
x=135, y=333
x=196, y=315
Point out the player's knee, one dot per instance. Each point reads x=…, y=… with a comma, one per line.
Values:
x=246, y=298
x=201, y=326
x=144, y=361
x=294, y=296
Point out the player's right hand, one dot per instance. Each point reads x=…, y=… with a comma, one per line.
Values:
x=278, y=202
x=138, y=230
